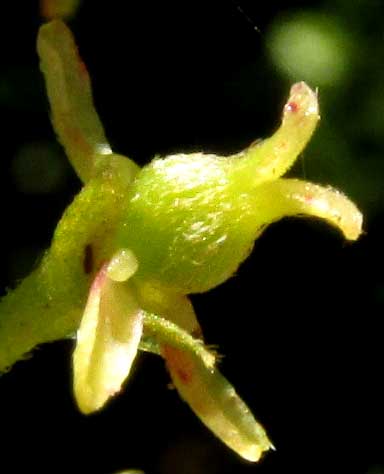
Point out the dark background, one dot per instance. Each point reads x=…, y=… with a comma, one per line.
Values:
x=299, y=324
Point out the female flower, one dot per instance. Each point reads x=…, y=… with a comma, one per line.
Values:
x=135, y=242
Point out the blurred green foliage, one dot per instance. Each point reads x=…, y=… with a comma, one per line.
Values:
x=312, y=46
x=39, y=168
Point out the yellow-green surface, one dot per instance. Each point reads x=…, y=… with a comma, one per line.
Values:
x=135, y=243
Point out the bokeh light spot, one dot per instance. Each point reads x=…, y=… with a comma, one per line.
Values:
x=310, y=47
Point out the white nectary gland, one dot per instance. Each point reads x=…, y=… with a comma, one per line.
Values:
x=122, y=266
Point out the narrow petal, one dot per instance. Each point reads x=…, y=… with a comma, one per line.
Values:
x=270, y=158
x=193, y=373
x=170, y=304
x=289, y=197
x=122, y=265
x=107, y=342
x=168, y=333
x=74, y=116
x=216, y=403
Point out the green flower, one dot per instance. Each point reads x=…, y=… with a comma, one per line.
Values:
x=135, y=242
